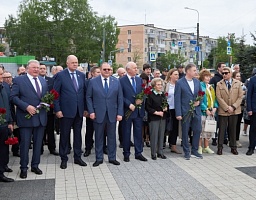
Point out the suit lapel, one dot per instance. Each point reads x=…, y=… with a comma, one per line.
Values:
x=186, y=83
x=26, y=79
x=100, y=85
x=129, y=83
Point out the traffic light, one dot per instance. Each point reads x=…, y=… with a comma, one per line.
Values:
x=101, y=56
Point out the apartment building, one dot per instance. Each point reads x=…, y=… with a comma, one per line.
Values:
x=143, y=43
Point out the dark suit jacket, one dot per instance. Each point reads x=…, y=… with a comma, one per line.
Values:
x=70, y=101
x=183, y=95
x=23, y=94
x=49, y=82
x=251, y=95
x=99, y=102
x=129, y=95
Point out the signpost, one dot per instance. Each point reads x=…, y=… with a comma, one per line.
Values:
x=229, y=50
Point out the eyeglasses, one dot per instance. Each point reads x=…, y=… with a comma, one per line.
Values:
x=106, y=69
x=225, y=73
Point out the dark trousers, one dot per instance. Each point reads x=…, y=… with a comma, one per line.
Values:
x=49, y=133
x=99, y=138
x=137, y=135
x=65, y=128
x=238, y=125
x=252, y=131
x=196, y=127
x=4, y=149
x=25, y=139
x=175, y=128
x=227, y=122
x=16, y=147
x=89, y=134
x=120, y=131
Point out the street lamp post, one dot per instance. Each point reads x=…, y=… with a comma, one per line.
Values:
x=197, y=30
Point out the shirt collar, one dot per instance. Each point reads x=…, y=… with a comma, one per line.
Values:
x=156, y=93
x=129, y=77
x=71, y=72
x=102, y=78
x=30, y=77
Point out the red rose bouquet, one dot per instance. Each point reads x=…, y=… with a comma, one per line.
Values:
x=190, y=113
x=46, y=102
x=143, y=94
x=11, y=140
x=164, y=101
x=2, y=115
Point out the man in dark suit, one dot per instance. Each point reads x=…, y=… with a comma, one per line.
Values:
x=69, y=108
x=147, y=70
x=251, y=108
x=105, y=105
x=49, y=137
x=186, y=90
x=4, y=149
x=95, y=71
x=26, y=94
x=131, y=86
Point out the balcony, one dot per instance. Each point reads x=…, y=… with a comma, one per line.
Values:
x=161, y=45
x=161, y=37
x=151, y=35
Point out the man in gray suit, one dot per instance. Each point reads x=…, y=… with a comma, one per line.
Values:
x=186, y=90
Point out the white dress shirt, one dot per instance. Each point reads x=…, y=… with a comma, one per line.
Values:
x=130, y=79
x=75, y=75
x=103, y=81
x=32, y=80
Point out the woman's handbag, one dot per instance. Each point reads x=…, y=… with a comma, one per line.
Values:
x=210, y=124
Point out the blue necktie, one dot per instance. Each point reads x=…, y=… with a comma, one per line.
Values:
x=74, y=81
x=37, y=88
x=106, y=85
x=229, y=86
x=133, y=84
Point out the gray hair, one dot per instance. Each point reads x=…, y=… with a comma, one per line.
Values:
x=155, y=80
x=54, y=68
x=189, y=66
x=128, y=65
x=33, y=61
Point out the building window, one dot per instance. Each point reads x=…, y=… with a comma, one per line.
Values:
x=129, y=59
x=129, y=32
x=129, y=41
x=146, y=41
x=146, y=49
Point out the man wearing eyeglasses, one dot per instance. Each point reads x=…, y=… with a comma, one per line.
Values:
x=104, y=99
x=229, y=95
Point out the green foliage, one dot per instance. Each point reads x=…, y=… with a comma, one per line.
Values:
x=170, y=59
x=2, y=48
x=58, y=28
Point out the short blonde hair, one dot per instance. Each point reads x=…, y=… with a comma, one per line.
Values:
x=153, y=82
x=227, y=69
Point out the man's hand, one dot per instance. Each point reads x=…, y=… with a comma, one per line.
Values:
x=132, y=107
x=138, y=102
x=165, y=109
x=196, y=103
x=119, y=118
x=86, y=114
x=10, y=126
x=31, y=110
x=250, y=113
x=230, y=109
x=59, y=114
x=179, y=118
x=92, y=116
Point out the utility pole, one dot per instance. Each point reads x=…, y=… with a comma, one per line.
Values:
x=104, y=44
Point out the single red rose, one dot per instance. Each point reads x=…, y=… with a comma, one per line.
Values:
x=2, y=111
x=55, y=94
x=166, y=94
x=150, y=87
x=201, y=93
x=143, y=85
x=51, y=105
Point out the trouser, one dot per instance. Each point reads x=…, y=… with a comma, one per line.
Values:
x=175, y=128
x=252, y=131
x=238, y=125
x=230, y=122
x=4, y=149
x=89, y=134
x=157, y=129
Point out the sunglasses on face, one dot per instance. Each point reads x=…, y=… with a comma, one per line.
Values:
x=225, y=73
x=106, y=69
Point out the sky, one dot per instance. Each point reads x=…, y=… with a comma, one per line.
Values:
x=216, y=17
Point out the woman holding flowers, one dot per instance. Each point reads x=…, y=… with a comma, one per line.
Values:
x=157, y=107
x=208, y=108
x=171, y=79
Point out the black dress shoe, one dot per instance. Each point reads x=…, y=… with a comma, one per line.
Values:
x=97, y=163
x=23, y=174
x=219, y=152
x=36, y=170
x=63, y=165
x=16, y=154
x=249, y=152
x=147, y=144
x=7, y=169
x=54, y=152
x=80, y=162
x=126, y=159
x=5, y=179
x=114, y=162
x=87, y=153
x=131, y=144
x=214, y=142
x=234, y=151
x=141, y=158
x=153, y=157
x=120, y=145
x=161, y=156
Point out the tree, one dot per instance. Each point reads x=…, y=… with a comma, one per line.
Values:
x=58, y=28
x=170, y=60
x=2, y=48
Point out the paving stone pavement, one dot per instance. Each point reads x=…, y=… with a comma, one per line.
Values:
x=213, y=177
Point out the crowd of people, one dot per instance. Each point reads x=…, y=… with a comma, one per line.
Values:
x=178, y=102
